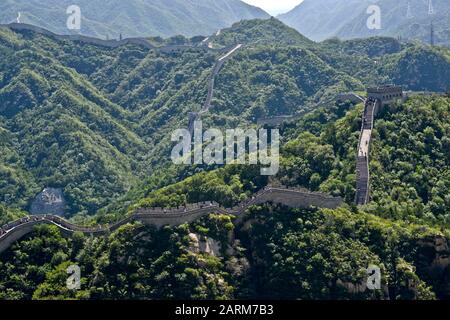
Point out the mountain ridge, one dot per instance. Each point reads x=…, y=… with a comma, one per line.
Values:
x=324, y=19
x=133, y=18
x=125, y=100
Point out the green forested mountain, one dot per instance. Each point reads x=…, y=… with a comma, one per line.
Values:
x=132, y=18
x=316, y=254
x=322, y=19
x=384, y=60
x=96, y=122
x=262, y=32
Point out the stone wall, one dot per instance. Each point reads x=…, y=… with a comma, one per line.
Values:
x=142, y=42
x=363, y=154
x=378, y=98
x=196, y=116
x=386, y=94
x=172, y=216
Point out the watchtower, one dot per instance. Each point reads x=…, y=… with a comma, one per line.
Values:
x=385, y=95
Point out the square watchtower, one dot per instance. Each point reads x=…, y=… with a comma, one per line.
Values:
x=386, y=94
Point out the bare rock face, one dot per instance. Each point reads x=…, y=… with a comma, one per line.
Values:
x=204, y=245
x=437, y=249
x=353, y=288
x=49, y=201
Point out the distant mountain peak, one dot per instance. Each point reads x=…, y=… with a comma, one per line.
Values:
x=132, y=18
x=261, y=31
x=406, y=19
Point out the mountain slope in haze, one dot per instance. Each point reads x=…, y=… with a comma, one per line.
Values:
x=132, y=18
x=395, y=21
x=322, y=19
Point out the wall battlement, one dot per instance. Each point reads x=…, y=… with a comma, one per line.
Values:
x=385, y=94
x=378, y=97
x=294, y=198
x=142, y=42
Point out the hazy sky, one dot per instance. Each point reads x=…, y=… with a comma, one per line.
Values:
x=275, y=7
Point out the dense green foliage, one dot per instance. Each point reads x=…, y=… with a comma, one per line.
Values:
x=8, y=215
x=276, y=253
x=411, y=161
x=97, y=122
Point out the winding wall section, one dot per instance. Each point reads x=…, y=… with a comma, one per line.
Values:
x=142, y=42
x=363, y=159
x=159, y=217
x=217, y=67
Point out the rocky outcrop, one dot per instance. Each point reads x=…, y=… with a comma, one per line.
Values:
x=49, y=201
x=200, y=244
x=437, y=252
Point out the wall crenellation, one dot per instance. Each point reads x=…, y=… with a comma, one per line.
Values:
x=378, y=97
x=139, y=41
x=291, y=197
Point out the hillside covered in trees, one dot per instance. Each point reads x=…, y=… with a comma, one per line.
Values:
x=316, y=253
x=96, y=122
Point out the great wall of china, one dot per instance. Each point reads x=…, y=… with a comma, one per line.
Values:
x=377, y=99
x=362, y=159
x=194, y=116
x=142, y=42
x=293, y=198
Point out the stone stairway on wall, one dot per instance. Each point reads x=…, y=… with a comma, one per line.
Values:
x=362, y=182
x=362, y=162
x=368, y=116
